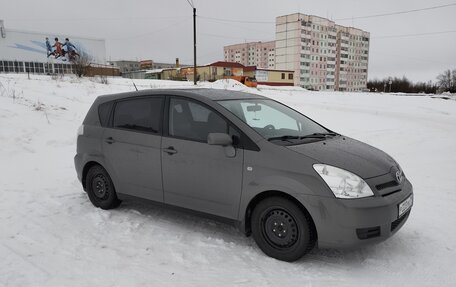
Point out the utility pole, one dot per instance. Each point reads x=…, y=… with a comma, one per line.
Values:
x=194, y=46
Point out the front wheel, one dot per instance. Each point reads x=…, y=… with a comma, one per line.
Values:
x=281, y=229
x=100, y=188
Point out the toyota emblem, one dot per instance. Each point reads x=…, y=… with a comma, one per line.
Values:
x=399, y=176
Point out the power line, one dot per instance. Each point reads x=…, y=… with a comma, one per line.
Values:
x=228, y=37
x=414, y=35
x=191, y=3
x=150, y=32
x=95, y=19
x=244, y=28
x=416, y=59
x=206, y=55
x=235, y=21
x=339, y=19
x=397, y=13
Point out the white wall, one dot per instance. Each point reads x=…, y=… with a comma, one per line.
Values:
x=30, y=46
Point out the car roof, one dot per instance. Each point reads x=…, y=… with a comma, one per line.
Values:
x=211, y=94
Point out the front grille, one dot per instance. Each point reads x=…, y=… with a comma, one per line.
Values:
x=386, y=185
x=366, y=233
x=398, y=221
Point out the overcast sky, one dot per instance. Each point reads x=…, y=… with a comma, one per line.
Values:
x=162, y=30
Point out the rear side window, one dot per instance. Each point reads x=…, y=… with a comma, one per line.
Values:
x=138, y=114
x=104, y=111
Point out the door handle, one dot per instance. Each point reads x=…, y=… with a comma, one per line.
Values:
x=110, y=140
x=170, y=150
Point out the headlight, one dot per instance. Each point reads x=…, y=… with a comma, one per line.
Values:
x=343, y=184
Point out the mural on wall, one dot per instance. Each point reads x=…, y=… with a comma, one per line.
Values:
x=64, y=52
x=30, y=46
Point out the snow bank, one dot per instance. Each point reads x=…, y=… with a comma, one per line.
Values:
x=227, y=84
x=52, y=236
x=281, y=88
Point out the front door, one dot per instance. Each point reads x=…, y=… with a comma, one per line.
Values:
x=132, y=147
x=197, y=175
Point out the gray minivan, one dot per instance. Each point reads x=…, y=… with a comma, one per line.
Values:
x=282, y=177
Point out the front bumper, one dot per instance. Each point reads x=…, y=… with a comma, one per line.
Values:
x=346, y=223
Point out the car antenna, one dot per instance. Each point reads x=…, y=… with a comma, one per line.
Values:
x=134, y=85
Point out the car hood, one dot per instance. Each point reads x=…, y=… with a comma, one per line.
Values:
x=349, y=154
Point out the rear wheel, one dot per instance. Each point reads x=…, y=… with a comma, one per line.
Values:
x=281, y=229
x=100, y=188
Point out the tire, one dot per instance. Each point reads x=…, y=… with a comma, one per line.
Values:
x=281, y=229
x=100, y=188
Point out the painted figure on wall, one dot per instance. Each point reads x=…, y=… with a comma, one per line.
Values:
x=64, y=52
x=58, y=48
x=50, y=52
x=70, y=49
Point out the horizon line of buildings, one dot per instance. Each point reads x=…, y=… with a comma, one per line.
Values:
x=322, y=54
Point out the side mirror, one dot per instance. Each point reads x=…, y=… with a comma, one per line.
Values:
x=219, y=139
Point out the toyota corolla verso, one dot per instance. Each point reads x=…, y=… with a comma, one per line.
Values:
x=285, y=179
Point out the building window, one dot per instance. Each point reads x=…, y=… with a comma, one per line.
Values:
x=290, y=76
x=283, y=76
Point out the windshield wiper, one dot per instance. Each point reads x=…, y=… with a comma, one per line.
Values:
x=314, y=135
x=324, y=134
x=287, y=137
x=284, y=138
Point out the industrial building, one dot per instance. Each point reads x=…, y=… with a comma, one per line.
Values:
x=145, y=69
x=48, y=53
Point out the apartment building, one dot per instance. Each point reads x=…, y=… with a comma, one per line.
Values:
x=260, y=54
x=324, y=55
x=353, y=59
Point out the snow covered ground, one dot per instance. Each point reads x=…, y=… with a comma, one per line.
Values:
x=51, y=235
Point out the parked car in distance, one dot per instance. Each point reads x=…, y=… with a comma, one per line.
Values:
x=282, y=177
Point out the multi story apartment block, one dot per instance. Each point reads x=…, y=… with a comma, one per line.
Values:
x=324, y=56
x=260, y=54
x=353, y=59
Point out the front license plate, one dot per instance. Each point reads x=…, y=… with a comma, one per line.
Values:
x=405, y=205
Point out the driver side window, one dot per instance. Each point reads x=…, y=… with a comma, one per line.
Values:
x=193, y=121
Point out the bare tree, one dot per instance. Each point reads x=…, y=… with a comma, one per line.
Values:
x=447, y=81
x=453, y=79
x=81, y=64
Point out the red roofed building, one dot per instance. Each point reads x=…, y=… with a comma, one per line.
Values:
x=221, y=70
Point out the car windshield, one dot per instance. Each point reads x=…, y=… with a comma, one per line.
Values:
x=274, y=121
